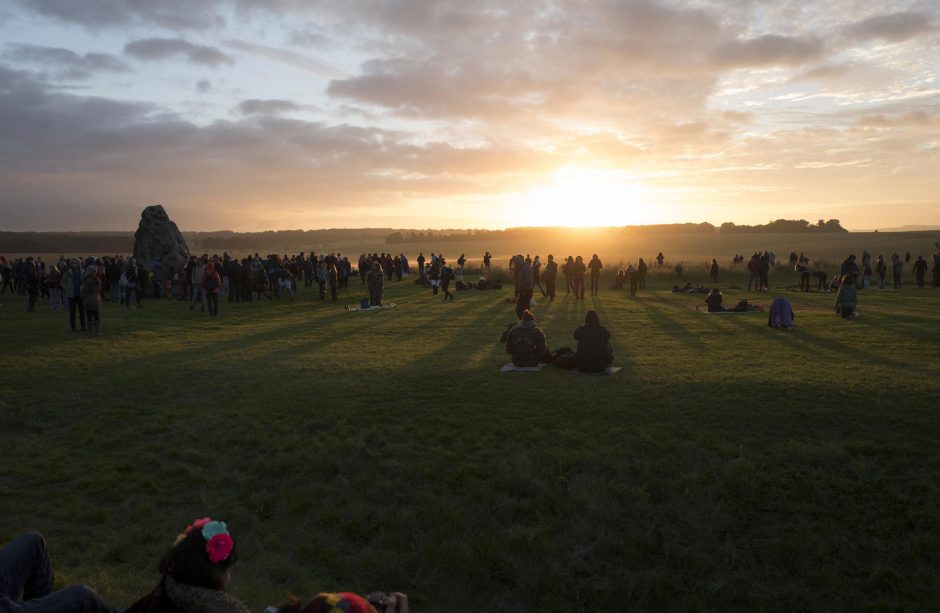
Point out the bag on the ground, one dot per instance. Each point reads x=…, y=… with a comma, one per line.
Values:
x=564, y=357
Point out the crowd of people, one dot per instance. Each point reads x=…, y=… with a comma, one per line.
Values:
x=194, y=575
x=81, y=285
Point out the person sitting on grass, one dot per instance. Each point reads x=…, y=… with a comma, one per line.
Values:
x=714, y=300
x=594, y=353
x=525, y=342
x=194, y=573
x=346, y=602
x=847, y=298
x=26, y=570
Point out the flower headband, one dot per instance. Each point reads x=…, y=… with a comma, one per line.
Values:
x=219, y=543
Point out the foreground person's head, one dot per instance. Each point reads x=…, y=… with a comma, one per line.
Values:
x=202, y=556
x=591, y=319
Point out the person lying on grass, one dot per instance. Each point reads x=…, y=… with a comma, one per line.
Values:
x=346, y=602
x=525, y=342
x=594, y=352
x=194, y=573
x=26, y=570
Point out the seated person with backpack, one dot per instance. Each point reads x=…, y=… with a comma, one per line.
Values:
x=525, y=342
x=594, y=353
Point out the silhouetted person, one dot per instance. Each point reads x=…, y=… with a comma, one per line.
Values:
x=525, y=342
x=713, y=271
x=847, y=298
x=549, y=276
x=714, y=301
x=594, y=353
x=595, y=265
x=524, y=285
x=577, y=278
x=897, y=269
x=920, y=269
x=641, y=270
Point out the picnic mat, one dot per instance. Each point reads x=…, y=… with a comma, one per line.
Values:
x=356, y=307
x=510, y=367
x=704, y=309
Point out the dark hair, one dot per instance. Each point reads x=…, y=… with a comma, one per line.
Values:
x=188, y=563
x=591, y=319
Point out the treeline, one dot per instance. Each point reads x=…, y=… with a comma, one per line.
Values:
x=257, y=240
x=784, y=226
x=525, y=234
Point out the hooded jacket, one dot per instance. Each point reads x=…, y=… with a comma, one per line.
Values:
x=172, y=597
x=526, y=343
x=594, y=352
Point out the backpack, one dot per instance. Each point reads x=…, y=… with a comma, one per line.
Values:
x=211, y=282
x=564, y=357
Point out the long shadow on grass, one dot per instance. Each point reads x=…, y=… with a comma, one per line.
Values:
x=672, y=327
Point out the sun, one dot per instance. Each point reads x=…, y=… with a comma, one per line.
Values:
x=580, y=196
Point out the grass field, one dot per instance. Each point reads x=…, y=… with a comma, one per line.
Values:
x=727, y=467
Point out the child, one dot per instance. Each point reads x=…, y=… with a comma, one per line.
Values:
x=194, y=573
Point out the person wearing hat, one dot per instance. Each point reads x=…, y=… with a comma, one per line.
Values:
x=525, y=342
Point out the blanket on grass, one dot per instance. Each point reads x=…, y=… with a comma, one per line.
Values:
x=510, y=367
x=357, y=308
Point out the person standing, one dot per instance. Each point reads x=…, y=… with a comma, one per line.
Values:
x=421, y=261
x=881, y=269
x=524, y=285
x=595, y=265
x=713, y=271
x=577, y=277
x=753, y=269
x=764, y=272
x=549, y=276
x=211, y=283
x=641, y=270
x=447, y=275
x=133, y=284
x=376, y=282
x=537, y=275
x=72, y=287
x=897, y=269
x=32, y=282
x=920, y=269
x=487, y=258
x=633, y=276
x=434, y=274
x=91, y=299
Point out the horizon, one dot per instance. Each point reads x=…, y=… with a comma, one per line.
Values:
x=261, y=116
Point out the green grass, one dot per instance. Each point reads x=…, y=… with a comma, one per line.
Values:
x=727, y=467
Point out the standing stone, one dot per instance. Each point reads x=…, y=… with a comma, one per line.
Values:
x=158, y=243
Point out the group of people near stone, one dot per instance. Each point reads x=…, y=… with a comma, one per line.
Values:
x=527, y=345
x=194, y=576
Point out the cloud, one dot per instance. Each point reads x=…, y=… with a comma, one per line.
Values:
x=95, y=14
x=203, y=86
x=892, y=28
x=284, y=56
x=267, y=107
x=155, y=49
x=769, y=50
x=65, y=64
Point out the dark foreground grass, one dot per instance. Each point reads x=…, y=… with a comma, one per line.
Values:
x=727, y=467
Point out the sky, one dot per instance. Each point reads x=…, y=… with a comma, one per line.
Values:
x=301, y=114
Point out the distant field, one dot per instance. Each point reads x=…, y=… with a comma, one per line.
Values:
x=826, y=249
x=727, y=467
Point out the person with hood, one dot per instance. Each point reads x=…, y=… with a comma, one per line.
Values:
x=781, y=313
x=26, y=571
x=714, y=301
x=72, y=288
x=194, y=573
x=847, y=298
x=595, y=265
x=525, y=342
x=376, y=284
x=211, y=283
x=524, y=285
x=594, y=353
x=91, y=298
